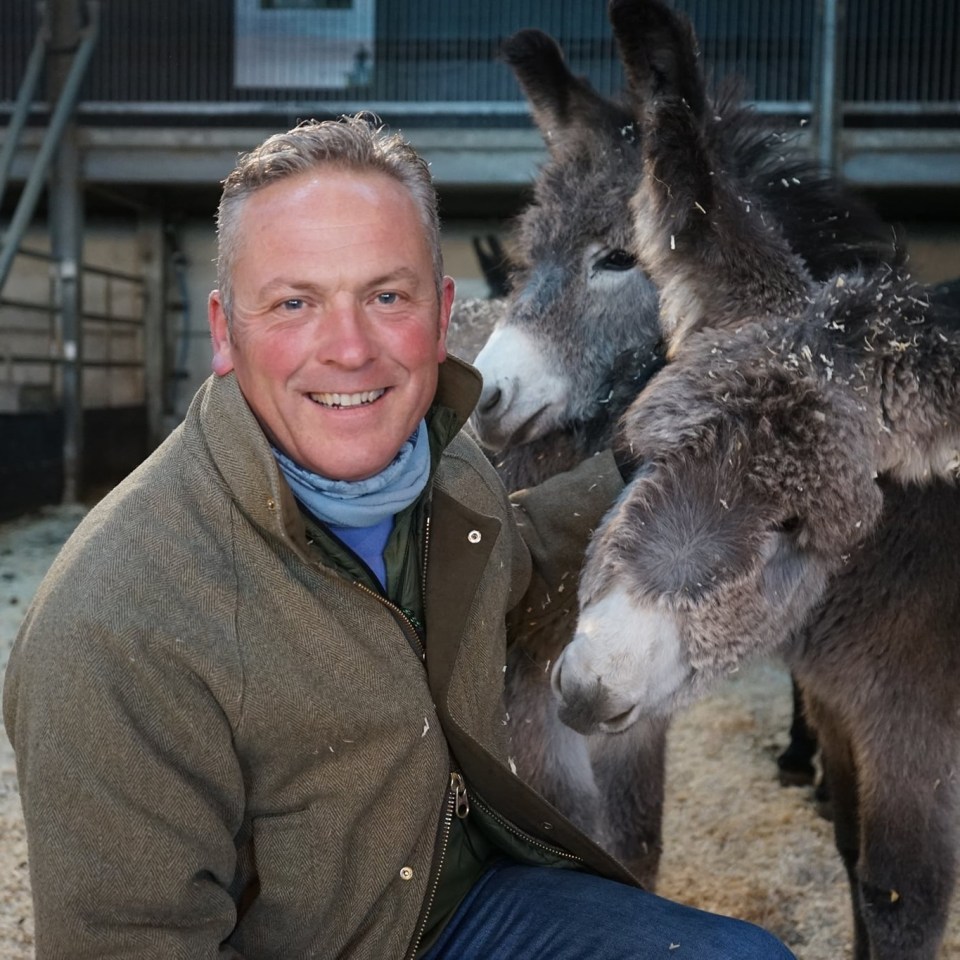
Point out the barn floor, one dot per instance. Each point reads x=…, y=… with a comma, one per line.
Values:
x=735, y=841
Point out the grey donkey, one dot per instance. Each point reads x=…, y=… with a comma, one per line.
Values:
x=577, y=340
x=797, y=420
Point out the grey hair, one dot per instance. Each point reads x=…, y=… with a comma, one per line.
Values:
x=358, y=144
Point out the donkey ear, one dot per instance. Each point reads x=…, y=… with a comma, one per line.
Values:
x=712, y=260
x=659, y=51
x=564, y=107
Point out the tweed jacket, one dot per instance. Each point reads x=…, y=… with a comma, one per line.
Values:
x=227, y=749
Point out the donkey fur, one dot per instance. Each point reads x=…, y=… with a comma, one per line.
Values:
x=577, y=289
x=815, y=423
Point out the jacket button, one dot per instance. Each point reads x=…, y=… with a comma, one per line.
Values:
x=546, y=825
x=406, y=873
x=474, y=536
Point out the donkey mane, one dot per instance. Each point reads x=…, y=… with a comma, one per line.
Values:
x=828, y=225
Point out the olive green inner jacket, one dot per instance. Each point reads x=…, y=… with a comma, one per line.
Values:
x=227, y=748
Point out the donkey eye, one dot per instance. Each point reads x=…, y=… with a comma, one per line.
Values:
x=790, y=525
x=617, y=260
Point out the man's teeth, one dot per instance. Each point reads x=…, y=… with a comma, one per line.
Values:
x=346, y=399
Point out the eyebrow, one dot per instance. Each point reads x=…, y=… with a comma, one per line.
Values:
x=401, y=273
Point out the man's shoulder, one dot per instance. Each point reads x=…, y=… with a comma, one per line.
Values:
x=166, y=508
x=463, y=465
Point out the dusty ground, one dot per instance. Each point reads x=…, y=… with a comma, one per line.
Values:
x=735, y=841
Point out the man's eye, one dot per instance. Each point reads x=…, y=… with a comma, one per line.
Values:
x=292, y=304
x=387, y=298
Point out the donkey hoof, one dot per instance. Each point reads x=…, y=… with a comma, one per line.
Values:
x=795, y=772
x=795, y=778
x=822, y=802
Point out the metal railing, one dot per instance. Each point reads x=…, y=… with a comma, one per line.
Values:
x=33, y=350
x=59, y=118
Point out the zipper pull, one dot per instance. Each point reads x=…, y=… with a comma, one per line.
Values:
x=461, y=802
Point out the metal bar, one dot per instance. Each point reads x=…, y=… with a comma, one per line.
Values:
x=464, y=108
x=828, y=114
x=280, y=108
x=114, y=274
x=903, y=107
x=24, y=331
x=108, y=335
x=28, y=331
x=150, y=236
x=58, y=122
x=73, y=44
x=273, y=110
x=35, y=254
x=87, y=268
x=46, y=359
x=94, y=316
x=27, y=305
x=21, y=108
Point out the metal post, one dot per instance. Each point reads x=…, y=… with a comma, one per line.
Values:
x=829, y=98
x=151, y=237
x=66, y=242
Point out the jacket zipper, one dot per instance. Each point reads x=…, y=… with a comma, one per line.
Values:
x=426, y=554
x=413, y=634
x=457, y=803
x=522, y=834
x=406, y=624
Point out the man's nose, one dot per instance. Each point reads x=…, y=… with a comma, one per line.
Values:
x=347, y=336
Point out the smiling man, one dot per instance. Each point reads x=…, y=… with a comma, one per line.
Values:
x=336, y=324
x=257, y=702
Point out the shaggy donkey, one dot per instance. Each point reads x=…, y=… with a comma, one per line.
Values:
x=793, y=414
x=579, y=338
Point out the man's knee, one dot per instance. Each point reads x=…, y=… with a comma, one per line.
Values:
x=750, y=942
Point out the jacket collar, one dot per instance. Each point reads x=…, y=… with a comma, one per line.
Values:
x=458, y=387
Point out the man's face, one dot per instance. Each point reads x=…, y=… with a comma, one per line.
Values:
x=336, y=332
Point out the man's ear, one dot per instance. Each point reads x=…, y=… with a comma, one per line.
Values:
x=219, y=335
x=447, y=290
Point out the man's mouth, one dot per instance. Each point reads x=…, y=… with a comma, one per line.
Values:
x=347, y=399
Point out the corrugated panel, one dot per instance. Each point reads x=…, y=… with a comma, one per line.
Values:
x=905, y=51
x=182, y=56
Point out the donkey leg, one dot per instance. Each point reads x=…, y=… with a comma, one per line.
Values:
x=795, y=763
x=907, y=867
x=629, y=769
x=839, y=769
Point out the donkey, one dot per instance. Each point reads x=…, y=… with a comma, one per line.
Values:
x=579, y=338
x=797, y=418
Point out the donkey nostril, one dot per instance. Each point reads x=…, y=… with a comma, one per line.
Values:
x=555, y=679
x=489, y=399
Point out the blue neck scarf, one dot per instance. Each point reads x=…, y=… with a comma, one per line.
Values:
x=363, y=503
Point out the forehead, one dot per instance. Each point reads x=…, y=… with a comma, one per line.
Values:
x=330, y=221
x=329, y=192
x=581, y=196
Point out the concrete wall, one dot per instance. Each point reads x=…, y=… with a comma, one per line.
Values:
x=934, y=250
x=111, y=244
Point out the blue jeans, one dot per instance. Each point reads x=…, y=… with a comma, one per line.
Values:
x=516, y=912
